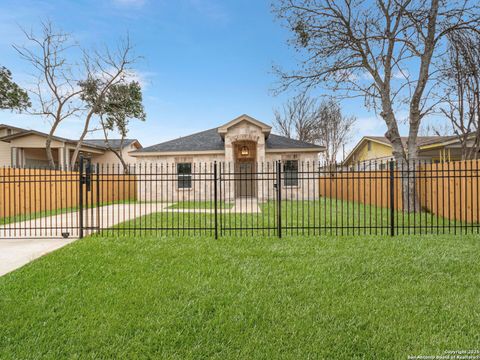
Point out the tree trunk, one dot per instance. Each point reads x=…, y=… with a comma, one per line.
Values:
x=124, y=164
x=48, y=145
x=405, y=167
x=80, y=140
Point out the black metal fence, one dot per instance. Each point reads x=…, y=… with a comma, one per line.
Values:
x=218, y=199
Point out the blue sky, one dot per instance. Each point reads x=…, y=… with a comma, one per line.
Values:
x=204, y=61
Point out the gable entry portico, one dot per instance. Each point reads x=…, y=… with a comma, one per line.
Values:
x=244, y=139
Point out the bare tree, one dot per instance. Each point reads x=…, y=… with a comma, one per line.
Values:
x=305, y=119
x=442, y=129
x=104, y=70
x=297, y=118
x=380, y=50
x=461, y=75
x=55, y=92
x=334, y=129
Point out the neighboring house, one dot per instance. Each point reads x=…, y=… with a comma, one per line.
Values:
x=26, y=148
x=241, y=146
x=375, y=150
x=124, y=148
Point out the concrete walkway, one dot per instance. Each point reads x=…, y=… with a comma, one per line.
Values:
x=240, y=206
x=51, y=227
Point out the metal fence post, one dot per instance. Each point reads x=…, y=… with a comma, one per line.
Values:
x=215, y=194
x=392, y=198
x=279, y=199
x=80, y=197
x=97, y=183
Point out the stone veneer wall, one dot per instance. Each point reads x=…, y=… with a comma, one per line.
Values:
x=157, y=178
x=308, y=182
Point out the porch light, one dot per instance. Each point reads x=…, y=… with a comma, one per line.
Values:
x=245, y=151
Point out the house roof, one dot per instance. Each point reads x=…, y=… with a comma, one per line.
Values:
x=422, y=141
x=3, y=126
x=23, y=133
x=211, y=140
x=93, y=143
x=114, y=143
x=282, y=142
x=202, y=141
x=31, y=132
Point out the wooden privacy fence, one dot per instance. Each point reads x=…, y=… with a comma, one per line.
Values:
x=450, y=190
x=33, y=191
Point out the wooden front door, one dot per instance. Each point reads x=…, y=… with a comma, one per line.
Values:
x=245, y=179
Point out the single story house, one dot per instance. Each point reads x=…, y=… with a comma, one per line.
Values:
x=245, y=150
x=378, y=149
x=26, y=148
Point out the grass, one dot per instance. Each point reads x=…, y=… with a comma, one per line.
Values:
x=324, y=216
x=245, y=298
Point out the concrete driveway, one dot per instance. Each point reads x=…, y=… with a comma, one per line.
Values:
x=25, y=241
x=14, y=253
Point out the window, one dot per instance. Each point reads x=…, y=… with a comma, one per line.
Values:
x=9, y=131
x=290, y=169
x=369, y=145
x=184, y=175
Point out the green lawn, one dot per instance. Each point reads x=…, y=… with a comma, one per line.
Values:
x=324, y=216
x=245, y=297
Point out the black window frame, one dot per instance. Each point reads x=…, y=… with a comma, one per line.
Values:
x=184, y=176
x=290, y=173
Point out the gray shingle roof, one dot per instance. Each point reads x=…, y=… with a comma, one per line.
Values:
x=210, y=140
x=282, y=142
x=201, y=141
x=114, y=143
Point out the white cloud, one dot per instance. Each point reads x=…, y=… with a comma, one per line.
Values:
x=370, y=125
x=142, y=77
x=401, y=75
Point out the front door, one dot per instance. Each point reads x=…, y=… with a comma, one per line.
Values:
x=245, y=179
